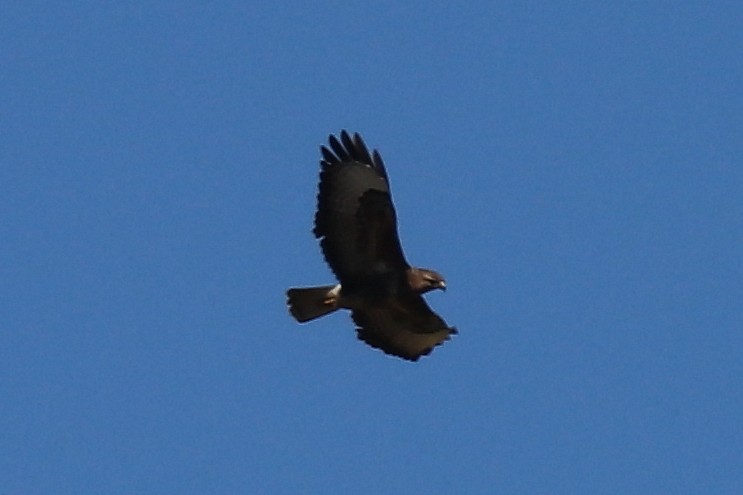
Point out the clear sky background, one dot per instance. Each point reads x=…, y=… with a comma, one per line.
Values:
x=573, y=168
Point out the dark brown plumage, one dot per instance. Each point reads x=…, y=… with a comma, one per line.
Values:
x=357, y=227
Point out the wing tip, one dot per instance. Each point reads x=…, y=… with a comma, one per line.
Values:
x=349, y=147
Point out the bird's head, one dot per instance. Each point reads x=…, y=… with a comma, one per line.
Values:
x=422, y=280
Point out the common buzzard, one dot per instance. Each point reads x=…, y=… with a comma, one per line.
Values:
x=357, y=227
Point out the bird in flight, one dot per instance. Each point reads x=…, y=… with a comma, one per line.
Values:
x=357, y=228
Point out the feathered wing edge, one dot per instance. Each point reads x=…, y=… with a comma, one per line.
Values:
x=405, y=328
x=352, y=149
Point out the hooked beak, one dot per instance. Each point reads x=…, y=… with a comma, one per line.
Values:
x=442, y=285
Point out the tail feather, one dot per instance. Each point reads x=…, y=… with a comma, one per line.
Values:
x=308, y=303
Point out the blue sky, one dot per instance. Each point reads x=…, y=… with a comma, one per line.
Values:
x=573, y=169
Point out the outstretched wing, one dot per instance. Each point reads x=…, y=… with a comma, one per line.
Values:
x=403, y=326
x=355, y=220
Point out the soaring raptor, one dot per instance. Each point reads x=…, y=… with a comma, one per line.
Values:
x=357, y=227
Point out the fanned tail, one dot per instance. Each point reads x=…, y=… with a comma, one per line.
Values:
x=308, y=303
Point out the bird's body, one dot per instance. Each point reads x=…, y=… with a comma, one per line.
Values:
x=357, y=227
